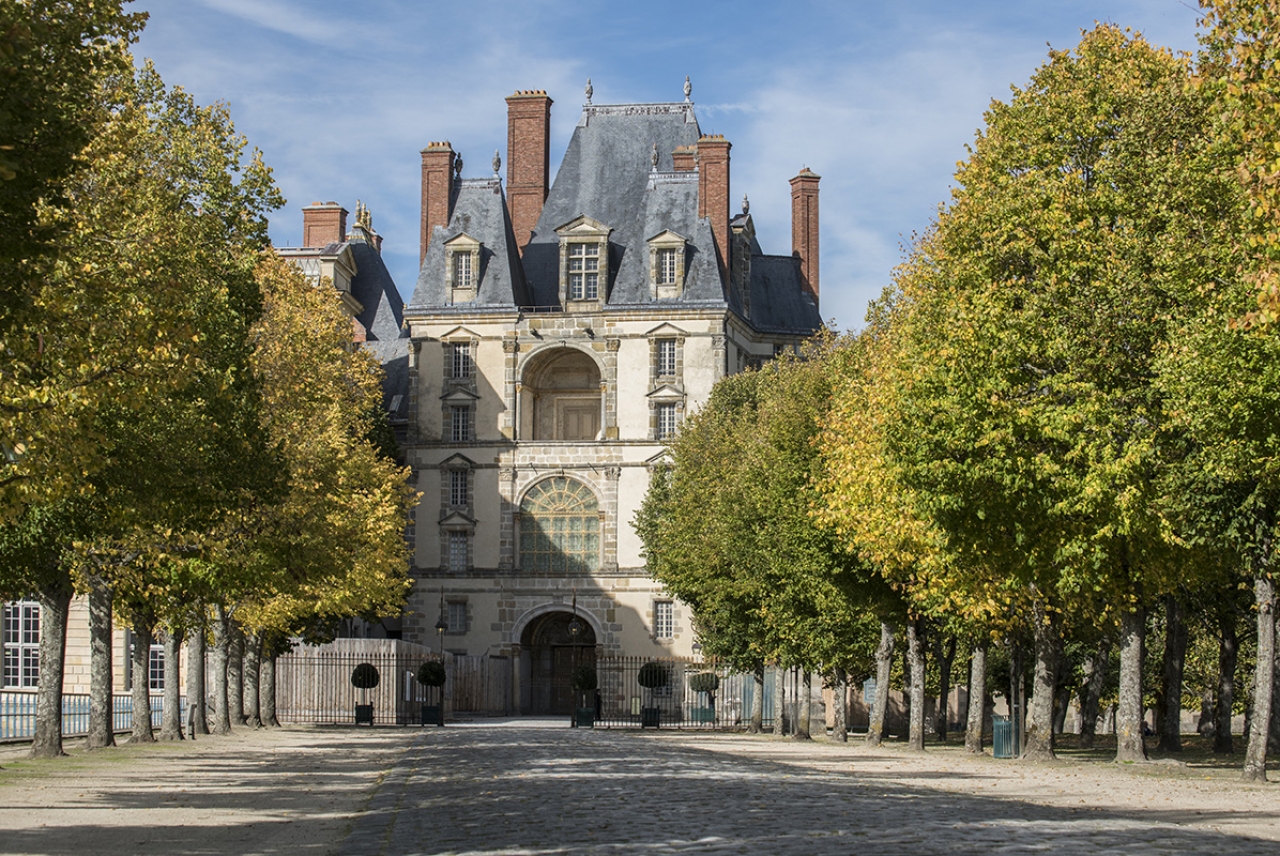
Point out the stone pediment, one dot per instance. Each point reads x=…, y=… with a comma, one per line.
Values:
x=583, y=226
x=667, y=390
x=457, y=520
x=459, y=396
x=666, y=331
x=458, y=333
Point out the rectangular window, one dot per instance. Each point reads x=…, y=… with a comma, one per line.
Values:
x=584, y=271
x=457, y=619
x=664, y=619
x=155, y=668
x=667, y=267
x=458, y=487
x=460, y=423
x=21, y=643
x=462, y=270
x=666, y=421
x=666, y=357
x=461, y=366
x=457, y=552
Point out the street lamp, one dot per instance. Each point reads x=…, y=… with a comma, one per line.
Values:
x=441, y=626
x=575, y=627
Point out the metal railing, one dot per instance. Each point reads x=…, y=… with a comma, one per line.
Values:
x=621, y=701
x=18, y=714
x=314, y=683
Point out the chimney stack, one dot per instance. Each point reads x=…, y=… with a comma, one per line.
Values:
x=437, y=191
x=804, y=228
x=713, y=191
x=323, y=223
x=684, y=158
x=528, y=159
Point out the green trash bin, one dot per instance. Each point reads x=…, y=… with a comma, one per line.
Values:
x=1001, y=737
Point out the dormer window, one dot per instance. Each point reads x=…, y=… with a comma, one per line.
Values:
x=462, y=267
x=584, y=263
x=666, y=265
x=584, y=271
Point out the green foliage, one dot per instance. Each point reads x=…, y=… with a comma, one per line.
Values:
x=365, y=676
x=584, y=678
x=431, y=674
x=704, y=682
x=653, y=675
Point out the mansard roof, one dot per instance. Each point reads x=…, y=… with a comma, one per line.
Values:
x=479, y=211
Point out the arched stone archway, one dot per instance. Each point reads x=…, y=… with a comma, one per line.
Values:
x=550, y=650
x=561, y=397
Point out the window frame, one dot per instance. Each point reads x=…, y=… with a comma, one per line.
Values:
x=664, y=613
x=20, y=643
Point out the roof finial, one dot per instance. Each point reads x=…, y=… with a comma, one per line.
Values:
x=589, y=91
x=746, y=204
x=653, y=157
x=457, y=164
x=497, y=163
x=688, y=88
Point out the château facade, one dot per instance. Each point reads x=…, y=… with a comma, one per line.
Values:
x=556, y=336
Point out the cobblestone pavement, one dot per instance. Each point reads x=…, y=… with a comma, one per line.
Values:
x=486, y=790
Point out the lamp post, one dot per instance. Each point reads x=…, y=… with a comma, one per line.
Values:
x=575, y=627
x=441, y=626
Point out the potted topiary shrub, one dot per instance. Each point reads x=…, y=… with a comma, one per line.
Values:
x=585, y=683
x=705, y=685
x=431, y=674
x=364, y=678
x=653, y=675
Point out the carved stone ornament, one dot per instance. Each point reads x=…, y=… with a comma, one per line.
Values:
x=612, y=344
x=717, y=343
x=653, y=157
x=746, y=204
x=457, y=165
x=613, y=473
x=497, y=163
x=688, y=88
x=589, y=91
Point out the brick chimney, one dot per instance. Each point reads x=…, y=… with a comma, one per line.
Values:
x=437, y=191
x=528, y=159
x=323, y=223
x=804, y=228
x=684, y=158
x=713, y=191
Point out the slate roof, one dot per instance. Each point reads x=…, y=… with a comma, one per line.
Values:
x=608, y=175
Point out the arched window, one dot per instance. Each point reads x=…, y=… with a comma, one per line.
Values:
x=559, y=528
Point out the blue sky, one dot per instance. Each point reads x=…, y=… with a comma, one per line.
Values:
x=880, y=99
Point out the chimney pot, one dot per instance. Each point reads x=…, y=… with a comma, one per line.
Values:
x=323, y=223
x=437, y=191
x=804, y=228
x=528, y=160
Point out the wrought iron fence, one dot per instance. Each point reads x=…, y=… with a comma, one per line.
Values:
x=684, y=699
x=18, y=714
x=314, y=683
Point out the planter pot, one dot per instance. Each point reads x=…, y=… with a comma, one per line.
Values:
x=433, y=714
x=650, y=717
x=702, y=714
x=585, y=717
x=364, y=714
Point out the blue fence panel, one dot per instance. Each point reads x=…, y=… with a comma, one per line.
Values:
x=18, y=714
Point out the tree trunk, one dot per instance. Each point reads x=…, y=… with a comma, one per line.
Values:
x=946, y=656
x=198, y=722
x=915, y=657
x=1039, y=742
x=252, y=664
x=757, y=709
x=1175, y=660
x=884, y=665
x=804, y=710
x=55, y=605
x=102, y=702
x=779, y=699
x=840, y=705
x=140, y=658
x=1095, y=676
x=235, y=674
x=221, y=654
x=1273, y=742
x=1129, y=742
x=977, y=698
x=1228, y=659
x=171, y=721
x=267, y=690
x=1255, y=757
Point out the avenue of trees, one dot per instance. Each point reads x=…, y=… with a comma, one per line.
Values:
x=189, y=436
x=1059, y=431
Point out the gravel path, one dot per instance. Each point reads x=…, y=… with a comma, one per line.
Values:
x=522, y=787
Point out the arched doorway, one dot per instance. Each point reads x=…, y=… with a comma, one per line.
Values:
x=560, y=397
x=554, y=651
